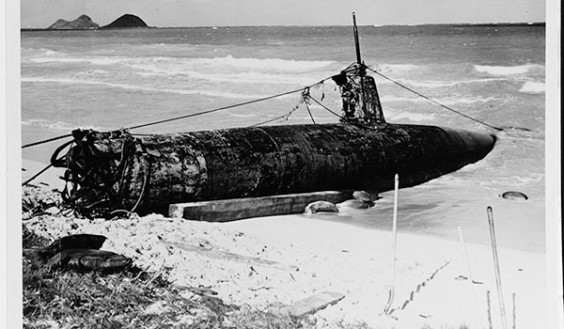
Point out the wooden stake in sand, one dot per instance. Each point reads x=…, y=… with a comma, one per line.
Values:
x=463, y=245
x=496, y=267
x=514, y=313
x=489, y=310
x=394, y=233
x=470, y=277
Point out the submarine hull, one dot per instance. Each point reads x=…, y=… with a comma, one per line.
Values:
x=109, y=171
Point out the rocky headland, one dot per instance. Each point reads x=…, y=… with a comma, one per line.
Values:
x=85, y=23
x=81, y=23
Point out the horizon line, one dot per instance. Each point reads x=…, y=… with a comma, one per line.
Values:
x=335, y=25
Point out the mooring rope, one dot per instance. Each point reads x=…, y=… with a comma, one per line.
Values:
x=37, y=175
x=285, y=116
x=46, y=141
x=181, y=117
x=432, y=100
x=192, y=114
x=214, y=110
x=323, y=106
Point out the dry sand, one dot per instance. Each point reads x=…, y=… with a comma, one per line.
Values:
x=279, y=260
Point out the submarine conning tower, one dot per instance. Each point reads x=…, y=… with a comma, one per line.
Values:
x=361, y=102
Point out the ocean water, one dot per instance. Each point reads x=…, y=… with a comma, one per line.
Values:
x=122, y=78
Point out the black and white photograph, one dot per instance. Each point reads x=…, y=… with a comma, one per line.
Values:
x=282, y=164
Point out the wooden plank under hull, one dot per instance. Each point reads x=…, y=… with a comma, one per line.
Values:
x=235, y=209
x=147, y=173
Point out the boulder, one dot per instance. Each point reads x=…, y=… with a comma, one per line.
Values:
x=320, y=206
x=355, y=204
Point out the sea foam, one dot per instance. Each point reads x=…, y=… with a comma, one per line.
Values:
x=410, y=116
x=217, y=69
x=509, y=70
x=213, y=93
x=533, y=87
x=94, y=60
x=275, y=64
x=58, y=125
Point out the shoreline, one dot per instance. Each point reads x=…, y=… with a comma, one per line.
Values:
x=272, y=261
x=427, y=209
x=269, y=262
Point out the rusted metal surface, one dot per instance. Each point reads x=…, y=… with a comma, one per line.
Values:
x=115, y=170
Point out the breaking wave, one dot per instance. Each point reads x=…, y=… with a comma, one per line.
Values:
x=414, y=117
x=94, y=61
x=443, y=84
x=510, y=70
x=58, y=125
x=270, y=63
x=213, y=93
x=443, y=100
x=396, y=68
x=217, y=69
x=533, y=87
x=231, y=77
x=227, y=62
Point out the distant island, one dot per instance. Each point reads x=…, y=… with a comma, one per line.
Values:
x=82, y=23
x=126, y=21
x=85, y=23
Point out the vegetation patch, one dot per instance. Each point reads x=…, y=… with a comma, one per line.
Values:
x=129, y=299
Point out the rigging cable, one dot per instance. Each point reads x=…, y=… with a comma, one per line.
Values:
x=323, y=106
x=178, y=118
x=214, y=110
x=305, y=98
x=46, y=141
x=433, y=101
x=189, y=115
x=285, y=116
x=37, y=175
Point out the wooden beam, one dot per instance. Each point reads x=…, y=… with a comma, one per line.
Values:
x=312, y=304
x=235, y=209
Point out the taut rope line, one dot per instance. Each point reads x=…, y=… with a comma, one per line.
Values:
x=434, y=101
x=189, y=115
x=214, y=110
x=46, y=141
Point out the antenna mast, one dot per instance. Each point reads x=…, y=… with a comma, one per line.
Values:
x=356, y=41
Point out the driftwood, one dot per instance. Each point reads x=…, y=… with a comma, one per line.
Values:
x=312, y=304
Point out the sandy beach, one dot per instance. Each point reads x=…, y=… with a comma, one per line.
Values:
x=270, y=262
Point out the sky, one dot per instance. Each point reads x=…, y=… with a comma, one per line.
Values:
x=186, y=13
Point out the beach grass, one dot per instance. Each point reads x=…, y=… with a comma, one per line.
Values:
x=132, y=298
x=129, y=299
